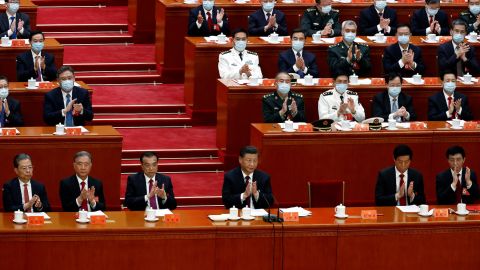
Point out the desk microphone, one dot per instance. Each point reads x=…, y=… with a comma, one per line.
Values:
x=271, y=218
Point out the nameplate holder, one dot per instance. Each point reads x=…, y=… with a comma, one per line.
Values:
x=378, y=81
x=18, y=42
x=73, y=131
x=9, y=132
x=100, y=219
x=46, y=85
x=391, y=40
x=470, y=125
x=305, y=128
x=171, y=218
x=268, y=82
x=290, y=216
x=440, y=213
x=35, y=220
x=369, y=214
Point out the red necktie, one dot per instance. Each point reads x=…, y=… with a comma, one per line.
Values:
x=26, y=197
x=403, y=200
x=84, y=202
x=153, y=199
x=430, y=21
x=209, y=21
x=249, y=200
x=39, y=69
x=459, y=189
x=346, y=116
x=454, y=114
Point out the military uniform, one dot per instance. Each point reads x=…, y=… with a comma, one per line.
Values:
x=272, y=103
x=229, y=64
x=470, y=19
x=314, y=20
x=329, y=103
x=337, y=60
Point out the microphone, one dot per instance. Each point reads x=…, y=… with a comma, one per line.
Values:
x=271, y=218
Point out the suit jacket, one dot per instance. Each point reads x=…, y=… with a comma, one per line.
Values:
x=445, y=193
x=70, y=190
x=12, y=196
x=257, y=21
x=437, y=107
x=420, y=21
x=393, y=53
x=53, y=105
x=386, y=187
x=15, y=118
x=369, y=19
x=137, y=189
x=5, y=24
x=381, y=106
x=203, y=31
x=287, y=59
x=26, y=67
x=234, y=185
x=447, y=59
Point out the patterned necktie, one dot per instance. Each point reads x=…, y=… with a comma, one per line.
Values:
x=84, y=202
x=39, y=68
x=454, y=114
x=2, y=114
x=403, y=200
x=153, y=199
x=430, y=20
x=241, y=56
x=459, y=189
x=26, y=196
x=209, y=21
x=14, y=35
x=68, y=115
x=395, y=108
x=249, y=200
x=268, y=16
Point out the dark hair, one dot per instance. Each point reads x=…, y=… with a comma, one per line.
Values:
x=392, y=76
x=455, y=150
x=445, y=72
x=404, y=25
x=298, y=30
x=82, y=154
x=239, y=30
x=432, y=1
x=3, y=77
x=20, y=157
x=459, y=22
x=249, y=149
x=148, y=154
x=402, y=150
x=339, y=73
x=62, y=69
x=35, y=32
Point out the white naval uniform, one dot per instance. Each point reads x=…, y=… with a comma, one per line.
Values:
x=329, y=103
x=229, y=64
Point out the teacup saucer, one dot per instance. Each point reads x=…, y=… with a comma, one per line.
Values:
x=21, y=221
x=253, y=84
x=274, y=42
x=56, y=133
x=221, y=43
x=233, y=218
x=425, y=214
x=452, y=127
x=389, y=128
x=462, y=213
x=82, y=220
x=31, y=88
x=248, y=217
x=341, y=216
x=317, y=42
x=151, y=220
x=288, y=130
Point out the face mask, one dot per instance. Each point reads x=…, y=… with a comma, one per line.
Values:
x=432, y=11
x=349, y=37
x=268, y=6
x=449, y=87
x=67, y=85
x=13, y=7
x=380, y=5
x=474, y=9
x=297, y=45
x=404, y=39
x=394, y=91
x=326, y=9
x=3, y=93
x=37, y=46
x=283, y=88
x=341, y=88
x=208, y=5
x=458, y=38
x=240, y=45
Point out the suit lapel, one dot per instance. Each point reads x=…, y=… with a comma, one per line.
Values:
x=141, y=181
x=18, y=192
x=392, y=184
x=386, y=100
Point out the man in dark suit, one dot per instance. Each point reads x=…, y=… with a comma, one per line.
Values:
x=36, y=63
x=457, y=54
x=10, y=112
x=23, y=193
x=378, y=18
x=430, y=20
x=321, y=19
x=267, y=20
x=458, y=183
x=149, y=188
x=67, y=104
x=207, y=20
x=400, y=184
x=14, y=24
x=448, y=104
x=245, y=185
x=393, y=103
x=80, y=191
x=403, y=57
x=297, y=60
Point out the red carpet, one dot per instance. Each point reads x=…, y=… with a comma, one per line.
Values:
x=109, y=54
x=138, y=94
x=87, y=15
x=79, y=2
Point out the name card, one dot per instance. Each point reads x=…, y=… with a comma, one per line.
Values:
x=441, y=212
x=417, y=125
x=100, y=219
x=391, y=40
x=9, y=132
x=290, y=216
x=46, y=85
x=268, y=82
x=35, y=220
x=324, y=81
x=18, y=42
x=305, y=128
x=378, y=81
x=73, y=131
x=369, y=214
x=470, y=125
x=171, y=218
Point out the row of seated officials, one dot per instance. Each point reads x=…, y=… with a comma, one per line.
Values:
x=242, y=186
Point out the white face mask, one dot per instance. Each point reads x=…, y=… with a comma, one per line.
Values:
x=3, y=93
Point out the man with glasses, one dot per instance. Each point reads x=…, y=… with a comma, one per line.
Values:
x=14, y=24
x=149, y=188
x=297, y=60
x=23, y=193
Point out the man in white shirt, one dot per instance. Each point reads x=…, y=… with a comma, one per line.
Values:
x=14, y=24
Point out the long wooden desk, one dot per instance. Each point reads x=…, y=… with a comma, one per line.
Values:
x=141, y=20
x=8, y=57
x=240, y=105
x=293, y=159
x=29, y=8
x=127, y=241
x=31, y=101
x=52, y=158
x=172, y=23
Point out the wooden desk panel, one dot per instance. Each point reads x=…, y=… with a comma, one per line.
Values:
x=8, y=56
x=353, y=157
x=27, y=7
x=141, y=20
x=31, y=101
x=238, y=106
x=52, y=158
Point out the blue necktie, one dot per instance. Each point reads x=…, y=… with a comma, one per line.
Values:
x=68, y=115
x=14, y=35
x=2, y=115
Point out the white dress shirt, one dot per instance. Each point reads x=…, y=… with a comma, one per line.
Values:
x=147, y=184
x=397, y=183
x=86, y=186
x=29, y=187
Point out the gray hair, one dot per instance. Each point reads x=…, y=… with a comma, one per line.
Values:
x=348, y=23
x=82, y=154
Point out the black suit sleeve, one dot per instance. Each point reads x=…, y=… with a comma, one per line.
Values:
x=417, y=29
x=23, y=69
x=444, y=190
x=418, y=190
x=8, y=199
x=313, y=67
x=15, y=118
x=435, y=113
x=473, y=190
x=410, y=109
x=50, y=71
x=382, y=197
x=134, y=200
x=367, y=26
x=87, y=115
x=418, y=59
x=282, y=25
x=390, y=62
x=446, y=61
x=229, y=197
x=51, y=115
x=265, y=198
x=466, y=112
x=42, y=193
x=193, y=29
x=378, y=108
x=68, y=197
x=100, y=204
x=283, y=64
x=171, y=202
x=472, y=63
x=300, y=116
x=255, y=28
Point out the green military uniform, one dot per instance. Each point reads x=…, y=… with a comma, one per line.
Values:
x=470, y=19
x=272, y=103
x=314, y=20
x=337, y=59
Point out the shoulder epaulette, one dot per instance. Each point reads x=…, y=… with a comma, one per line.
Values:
x=310, y=9
x=352, y=93
x=253, y=53
x=297, y=95
x=268, y=95
x=327, y=93
x=225, y=52
x=335, y=10
x=465, y=12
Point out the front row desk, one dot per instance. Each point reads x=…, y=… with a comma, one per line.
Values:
x=320, y=241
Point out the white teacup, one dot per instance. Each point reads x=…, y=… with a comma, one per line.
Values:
x=340, y=210
x=379, y=37
x=150, y=213
x=473, y=36
x=246, y=211
x=316, y=37
x=392, y=123
x=32, y=83
x=456, y=123
x=221, y=38
x=461, y=208
x=18, y=215
x=253, y=81
x=417, y=78
x=233, y=212
x=308, y=79
x=289, y=125
x=467, y=78
x=345, y=124
x=82, y=215
x=423, y=209
x=60, y=128
x=5, y=41
x=432, y=37
x=353, y=79
x=273, y=37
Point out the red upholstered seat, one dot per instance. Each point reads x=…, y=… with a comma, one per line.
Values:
x=325, y=193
